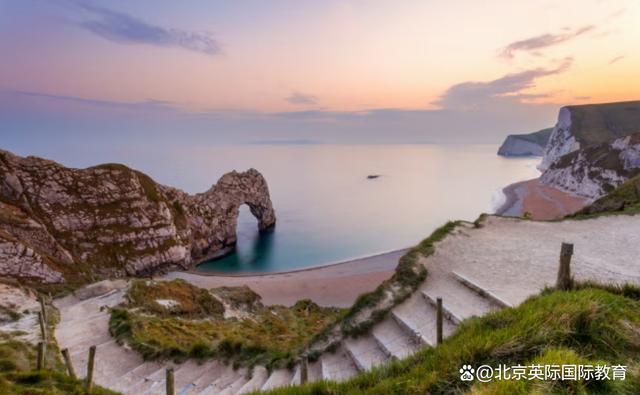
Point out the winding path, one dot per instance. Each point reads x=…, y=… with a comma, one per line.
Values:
x=474, y=270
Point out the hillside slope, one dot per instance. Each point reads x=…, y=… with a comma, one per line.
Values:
x=531, y=144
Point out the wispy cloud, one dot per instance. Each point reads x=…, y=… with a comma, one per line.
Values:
x=301, y=98
x=154, y=105
x=616, y=59
x=472, y=94
x=123, y=28
x=534, y=44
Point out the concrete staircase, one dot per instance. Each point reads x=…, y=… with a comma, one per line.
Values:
x=408, y=327
x=474, y=271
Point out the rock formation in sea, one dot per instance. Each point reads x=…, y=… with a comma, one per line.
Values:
x=593, y=148
x=59, y=224
x=531, y=144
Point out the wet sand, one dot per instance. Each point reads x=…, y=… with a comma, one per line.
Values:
x=331, y=285
x=542, y=201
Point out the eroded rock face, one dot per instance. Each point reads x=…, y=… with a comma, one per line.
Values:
x=593, y=148
x=59, y=224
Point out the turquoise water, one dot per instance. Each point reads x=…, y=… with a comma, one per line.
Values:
x=328, y=211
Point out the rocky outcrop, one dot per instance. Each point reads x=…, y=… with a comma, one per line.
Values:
x=61, y=224
x=582, y=126
x=596, y=170
x=531, y=144
x=593, y=148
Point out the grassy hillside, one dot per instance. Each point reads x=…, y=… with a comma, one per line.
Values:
x=174, y=319
x=589, y=325
x=598, y=123
x=540, y=137
x=623, y=200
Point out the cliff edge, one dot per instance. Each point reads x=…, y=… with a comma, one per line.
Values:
x=593, y=148
x=531, y=144
x=59, y=224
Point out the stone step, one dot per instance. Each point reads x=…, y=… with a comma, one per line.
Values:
x=206, y=374
x=188, y=374
x=152, y=383
x=135, y=376
x=481, y=290
x=295, y=379
x=337, y=366
x=410, y=329
x=233, y=388
x=393, y=339
x=315, y=371
x=258, y=378
x=419, y=317
x=278, y=378
x=446, y=312
x=219, y=380
x=365, y=352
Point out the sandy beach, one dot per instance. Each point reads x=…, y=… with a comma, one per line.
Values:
x=331, y=285
x=542, y=201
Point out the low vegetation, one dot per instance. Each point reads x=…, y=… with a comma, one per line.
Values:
x=587, y=325
x=408, y=276
x=18, y=374
x=192, y=325
x=623, y=200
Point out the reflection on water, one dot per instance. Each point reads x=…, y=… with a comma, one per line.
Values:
x=253, y=250
x=326, y=208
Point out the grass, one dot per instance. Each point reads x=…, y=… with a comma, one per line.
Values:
x=187, y=299
x=590, y=324
x=598, y=123
x=408, y=275
x=623, y=200
x=271, y=336
x=18, y=362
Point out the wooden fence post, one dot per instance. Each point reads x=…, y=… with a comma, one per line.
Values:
x=43, y=326
x=170, y=382
x=304, y=369
x=42, y=307
x=90, y=362
x=40, y=362
x=439, y=321
x=564, y=271
x=67, y=361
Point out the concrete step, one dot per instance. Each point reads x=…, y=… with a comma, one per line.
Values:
x=337, y=366
x=365, y=352
x=278, y=378
x=315, y=371
x=258, y=378
x=154, y=381
x=481, y=290
x=233, y=387
x=221, y=380
x=189, y=373
x=135, y=376
x=419, y=317
x=295, y=379
x=393, y=339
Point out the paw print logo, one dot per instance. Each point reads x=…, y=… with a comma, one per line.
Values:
x=466, y=373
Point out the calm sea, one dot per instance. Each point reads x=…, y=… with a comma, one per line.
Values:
x=327, y=210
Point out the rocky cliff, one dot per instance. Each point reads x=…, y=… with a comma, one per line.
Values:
x=593, y=148
x=581, y=126
x=531, y=144
x=59, y=224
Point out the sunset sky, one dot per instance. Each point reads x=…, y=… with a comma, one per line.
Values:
x=309, y=71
